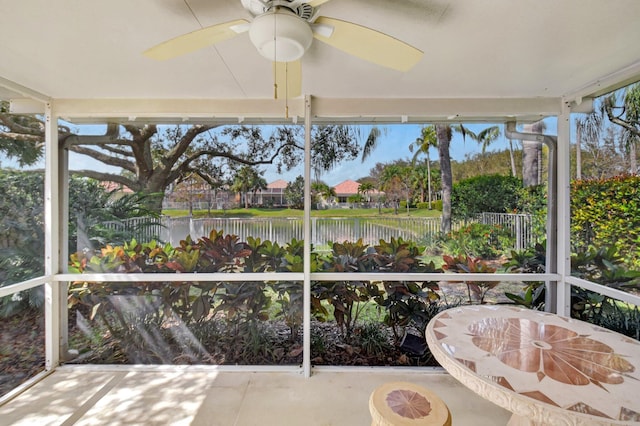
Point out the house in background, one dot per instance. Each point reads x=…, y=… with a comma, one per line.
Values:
x=346, y=189
x=350, y=188
x=273, y=196
x=117, y=189
x=195, y=194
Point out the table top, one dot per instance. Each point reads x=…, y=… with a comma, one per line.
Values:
x=541, y=366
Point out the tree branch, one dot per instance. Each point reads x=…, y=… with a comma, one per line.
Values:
x=230, y=156
x=117, y=151
x=22, y=137
x=141, y=147
x=8, y=121
x=108, y=177
x=620, y=122
x=104, y=158
x=180, y=148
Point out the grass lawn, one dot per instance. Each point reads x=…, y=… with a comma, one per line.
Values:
x=258, y=212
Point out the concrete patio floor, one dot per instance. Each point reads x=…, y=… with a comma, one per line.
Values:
x=95, y=396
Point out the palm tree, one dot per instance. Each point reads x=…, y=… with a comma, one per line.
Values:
x=588, y=128
x=247, y=180
x=443, y=133
x=259, y=184
x=372, y=142
x=484, y=138
x=422, y=145
x=628, y=119
x=365, y=188
x=321, y=190
x=316, y=188
x=391, y=182
x=419, y=175
x=487, y=136
x=328, y=192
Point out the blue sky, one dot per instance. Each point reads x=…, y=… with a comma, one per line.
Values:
x=393, y=145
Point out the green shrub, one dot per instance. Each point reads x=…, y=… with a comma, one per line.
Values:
x=605, y=213
x=484, y=193
x=532, y=200
x=435, y=205
x=403, y=204
x=356, y=198
x=478, y=240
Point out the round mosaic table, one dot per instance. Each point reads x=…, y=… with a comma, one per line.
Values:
x=407, y=404
x=544, y=368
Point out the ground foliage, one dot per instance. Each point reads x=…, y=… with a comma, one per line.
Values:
x=249, y=309
x=21, y=348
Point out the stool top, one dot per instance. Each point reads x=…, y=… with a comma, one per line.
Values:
x=406, y=404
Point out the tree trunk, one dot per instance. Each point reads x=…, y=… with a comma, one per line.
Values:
x=531, y=157
x=578, y=152
x=429, y=180
x=443, y=132
x=633, y=160
x=513, y=159
x=154, y=199
x=530, y=162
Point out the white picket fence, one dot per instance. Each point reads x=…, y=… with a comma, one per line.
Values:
x=323, y=230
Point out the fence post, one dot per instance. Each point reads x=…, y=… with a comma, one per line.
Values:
x=519, y=242
x=271, y=231
x=314, y=231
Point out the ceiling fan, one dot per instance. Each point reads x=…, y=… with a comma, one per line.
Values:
x=283, y=30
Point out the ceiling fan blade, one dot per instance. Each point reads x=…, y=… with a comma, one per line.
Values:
x=287, y=77
x=196, y=40
x=316, y=3
x=368, y=44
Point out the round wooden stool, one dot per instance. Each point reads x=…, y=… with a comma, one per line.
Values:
x=407, y=404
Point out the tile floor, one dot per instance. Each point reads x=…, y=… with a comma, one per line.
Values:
x=77, y=396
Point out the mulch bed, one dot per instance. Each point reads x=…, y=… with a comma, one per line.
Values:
x=21, y=348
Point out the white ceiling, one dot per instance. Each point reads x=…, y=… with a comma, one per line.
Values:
x=494, y=49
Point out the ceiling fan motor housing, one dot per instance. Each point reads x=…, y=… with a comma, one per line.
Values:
x=280, y=35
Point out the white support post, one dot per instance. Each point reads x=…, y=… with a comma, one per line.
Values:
x=52, y=239
x=63, y=223
x=563, y=306
x=306, y=340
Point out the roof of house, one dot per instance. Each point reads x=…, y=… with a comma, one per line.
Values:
x=114, y=186
x=347, y=187
x=277, y=184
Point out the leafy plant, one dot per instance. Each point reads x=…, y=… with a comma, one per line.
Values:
x=529, y=261
x=468, y=264
x=372, y=339
x=346, y=297
x=406, y=303
x=478, y=240
x=290, y=293
x=606, y=266
x=602, y=265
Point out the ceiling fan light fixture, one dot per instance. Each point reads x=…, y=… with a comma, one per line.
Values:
x=280, y=35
